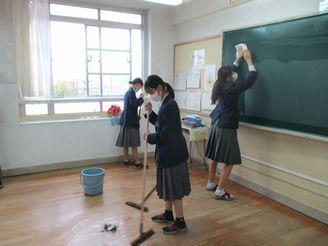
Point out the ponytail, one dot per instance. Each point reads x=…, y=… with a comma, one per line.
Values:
x=216, y=91
x=169, y=89
x=153, y=81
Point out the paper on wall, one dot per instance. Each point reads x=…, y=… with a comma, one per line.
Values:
x=206, y=101
x=180, y=80
x=197, y=60
x=209, y=77
x=193, y=100
x=193, y=79
x=180, y=98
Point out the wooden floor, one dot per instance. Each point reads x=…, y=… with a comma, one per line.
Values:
x=51, y=209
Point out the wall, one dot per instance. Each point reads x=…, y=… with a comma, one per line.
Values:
x=252, y=12
x=290, y=169
x=161, y=43
x=7, y=53
x=25, y=146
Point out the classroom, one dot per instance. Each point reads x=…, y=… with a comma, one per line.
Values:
x=163, y=122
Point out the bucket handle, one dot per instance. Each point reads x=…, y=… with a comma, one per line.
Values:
x=89, y=186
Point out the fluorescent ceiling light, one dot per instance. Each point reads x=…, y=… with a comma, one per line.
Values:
x=167, y=2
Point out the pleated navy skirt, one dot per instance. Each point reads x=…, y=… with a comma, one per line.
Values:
x=222, y=145
x=173, y=183
x=128, y=137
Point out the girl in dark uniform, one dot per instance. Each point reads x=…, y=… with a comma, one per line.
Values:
x=129, y=136
x=222, y=145
x=171, y=154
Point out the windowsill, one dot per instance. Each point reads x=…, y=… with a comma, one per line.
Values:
x=70, y=116
x=31, y=100
x=76, y=117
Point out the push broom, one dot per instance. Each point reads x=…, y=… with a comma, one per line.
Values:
x=138, y=205
x=143, y=235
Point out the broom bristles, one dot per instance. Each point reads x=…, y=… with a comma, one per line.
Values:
x=142, y=237
x=136, y=205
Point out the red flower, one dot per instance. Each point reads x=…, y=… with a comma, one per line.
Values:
x=114, y=110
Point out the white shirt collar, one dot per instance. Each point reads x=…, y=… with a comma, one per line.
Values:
x=164, y=98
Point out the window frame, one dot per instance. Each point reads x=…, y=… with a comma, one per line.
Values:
x=100, y=24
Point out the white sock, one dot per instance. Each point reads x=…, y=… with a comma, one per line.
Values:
x=210, y=184
x=219, y=191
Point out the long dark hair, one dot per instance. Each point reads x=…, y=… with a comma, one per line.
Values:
x=223, y=73
x=153, y=81
x=136, y=81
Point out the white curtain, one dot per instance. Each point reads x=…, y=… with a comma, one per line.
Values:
x=21, y=17
x=32, y=38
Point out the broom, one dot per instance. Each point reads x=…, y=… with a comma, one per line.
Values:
x=138, y=205
x=143, y=235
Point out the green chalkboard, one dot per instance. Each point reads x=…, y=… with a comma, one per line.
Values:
x=292, y=60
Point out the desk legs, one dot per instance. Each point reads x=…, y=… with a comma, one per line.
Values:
x=204, y=165
x=0, y=178
x=204, y=159
x=190, y=147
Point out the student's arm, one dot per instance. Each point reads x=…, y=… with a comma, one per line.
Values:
x=247, y=83
x=134, y=101
x=169, y=123
x=236, y=63
x=251, y=76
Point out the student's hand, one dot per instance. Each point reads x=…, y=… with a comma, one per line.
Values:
x=145, y=136
x=248, y=57
x=148, y=107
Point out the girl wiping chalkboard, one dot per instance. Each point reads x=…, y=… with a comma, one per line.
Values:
x=222, y=145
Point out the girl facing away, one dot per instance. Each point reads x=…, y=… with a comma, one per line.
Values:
x=222, y=145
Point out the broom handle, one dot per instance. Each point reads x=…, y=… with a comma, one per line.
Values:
x=150, y=192
x=144, y=179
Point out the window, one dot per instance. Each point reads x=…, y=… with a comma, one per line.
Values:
x=45, y=107
x=95, y=52
x=71, y=11
x=36, y=109
x=120, y=17
x=64, y=108
x=68, y=59
x=168, y=2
